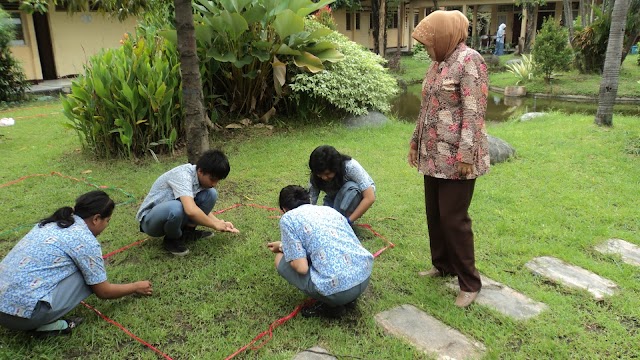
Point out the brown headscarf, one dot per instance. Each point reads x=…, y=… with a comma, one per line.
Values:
x=441, y=31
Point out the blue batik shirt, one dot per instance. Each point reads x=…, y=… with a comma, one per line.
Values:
x=42, y=259
x=180, y=181
x=353, y=171
x=337, y=260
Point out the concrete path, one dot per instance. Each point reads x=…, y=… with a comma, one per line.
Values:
x=315, y=353
x=504, y=299
x=428, y=334
x=51, y=87
x=629, y=252
x=572, y=276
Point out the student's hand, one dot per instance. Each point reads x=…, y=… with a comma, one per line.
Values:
x=226, y=226
x=464, y=169
x=143, y=287
x=412, y=157
x=275, y=246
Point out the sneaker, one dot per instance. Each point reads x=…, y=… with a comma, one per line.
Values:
x=193, y=234
x=320, y=309
x=175, y=246
x=433, y=273
x=465, y=298
x=72, y=323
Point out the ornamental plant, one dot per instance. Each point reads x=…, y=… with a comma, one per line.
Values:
x=523, y=70
x=355, y=85
x=128, y=101
x=551, y=49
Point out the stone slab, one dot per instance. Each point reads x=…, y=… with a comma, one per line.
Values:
x=505, y=300
x=428, y=334
x=314, y=353
x=629, y=252
x=572, y=276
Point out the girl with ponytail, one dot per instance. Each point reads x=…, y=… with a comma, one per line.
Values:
x=58, y=264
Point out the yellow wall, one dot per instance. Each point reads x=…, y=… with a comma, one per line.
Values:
x=75, y=38
x=27, y=54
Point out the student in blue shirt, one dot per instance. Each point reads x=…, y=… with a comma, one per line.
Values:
x=320, y=254
x=348, y=187
x=58, y=264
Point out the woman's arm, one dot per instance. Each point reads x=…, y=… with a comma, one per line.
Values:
x=368, y=198
x=107, y=290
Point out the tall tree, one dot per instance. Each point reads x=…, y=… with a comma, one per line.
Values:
x=611, y=72
x=196, y=123
x=568, y=17
x=531, y=7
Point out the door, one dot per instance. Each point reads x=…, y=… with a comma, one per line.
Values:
x=45, y=47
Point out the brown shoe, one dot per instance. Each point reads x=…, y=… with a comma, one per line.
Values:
x=465, y=298
x=433, y=272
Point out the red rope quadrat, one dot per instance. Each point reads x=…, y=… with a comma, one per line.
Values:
x=272, y=326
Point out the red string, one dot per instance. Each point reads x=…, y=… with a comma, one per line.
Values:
x=124, y=248
x=132, y=335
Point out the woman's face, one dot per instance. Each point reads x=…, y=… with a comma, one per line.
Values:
x=326, y=175
x=98, y=224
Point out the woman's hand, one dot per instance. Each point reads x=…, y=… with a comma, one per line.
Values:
x=275, y=247
x=143, y=287
x=464, y=169
x=412, y=157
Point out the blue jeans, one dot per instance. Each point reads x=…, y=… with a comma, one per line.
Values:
x=346, y=200
x=64, y=298
x=168, y=218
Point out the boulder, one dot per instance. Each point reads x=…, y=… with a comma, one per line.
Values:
x=531, y=115
x=372, y=118
x=515, y=91
x=499, y=150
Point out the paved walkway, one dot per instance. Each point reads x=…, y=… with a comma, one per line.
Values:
x=51, y=87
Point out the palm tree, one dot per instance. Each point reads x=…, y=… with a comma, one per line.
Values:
x=611, y=72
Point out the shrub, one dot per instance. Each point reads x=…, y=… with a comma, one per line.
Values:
x=325, y=17
x=523, y=70
x=420, y=53
x=129, y=99
x=590, y=44
x=354, y=85
x=551, y=49
x=13, y=83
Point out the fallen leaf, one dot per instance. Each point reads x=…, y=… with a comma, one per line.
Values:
x=245, y=122
x=87, y=172
x=233, y=126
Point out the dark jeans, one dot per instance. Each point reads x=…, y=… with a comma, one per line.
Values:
x=450, y=234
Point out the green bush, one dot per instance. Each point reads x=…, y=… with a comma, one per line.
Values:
x=13, y=83
x=551, y=49
x=523, y=70
x=590, y=44
x=420, y=53
x=355, y=85
x=129, y=99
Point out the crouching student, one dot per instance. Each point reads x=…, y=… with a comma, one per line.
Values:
x=320, y=254
x=58, y=264
x=347, y=185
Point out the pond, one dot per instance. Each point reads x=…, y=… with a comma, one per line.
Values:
x=500, y=108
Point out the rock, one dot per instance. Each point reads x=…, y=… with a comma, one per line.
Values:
x=513, y=61
x=531, y=115
x=515, y=91
x=372, y=118
x=499, y=150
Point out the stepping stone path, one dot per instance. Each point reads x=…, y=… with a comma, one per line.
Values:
x=572, y=276
x=505, y=300
x=315, y=353
x=428, y=334
x=629, y=252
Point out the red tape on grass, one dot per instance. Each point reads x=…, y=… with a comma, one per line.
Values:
x=132, y=335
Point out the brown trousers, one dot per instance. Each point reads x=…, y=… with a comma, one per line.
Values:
x=450, y=235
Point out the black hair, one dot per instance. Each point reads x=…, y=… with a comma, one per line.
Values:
x=95, y=202
x=324, y=158
x=292, y=196
x=214, y=163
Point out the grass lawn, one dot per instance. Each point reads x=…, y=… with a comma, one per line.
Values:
x=566, y=83
x=572, y=186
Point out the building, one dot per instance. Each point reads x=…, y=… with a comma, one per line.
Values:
x=55, y=44
x=487, y=15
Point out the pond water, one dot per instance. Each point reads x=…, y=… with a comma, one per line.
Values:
x=500, y=108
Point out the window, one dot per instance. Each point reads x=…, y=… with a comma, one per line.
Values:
x=349, y=17
x=416, y=19
x=392, y=21
x=16, y=21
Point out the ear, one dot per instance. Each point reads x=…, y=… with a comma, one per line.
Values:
x=95, y=219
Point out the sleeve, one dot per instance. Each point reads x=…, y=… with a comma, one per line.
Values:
x=356, y=173
x=313, y=193
x=88, y=258
x=474, y=91
x=291, y=246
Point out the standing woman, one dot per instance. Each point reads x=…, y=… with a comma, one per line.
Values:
x=449, y=146
x=500, y=40
x=58, y=264
x=349, y=188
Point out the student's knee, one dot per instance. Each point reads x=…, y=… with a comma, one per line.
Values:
x=277, y=260
x=206, y=199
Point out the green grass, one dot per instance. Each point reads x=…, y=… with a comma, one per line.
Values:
x=572, y=186
x=565, y=83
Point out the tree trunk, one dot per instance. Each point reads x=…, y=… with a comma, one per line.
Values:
x=530, y=27
x=611, y=72
x=382, y=32
x=195, y=122
x=631, y=37
x=568, y=17
x=375, y=24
